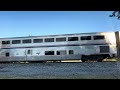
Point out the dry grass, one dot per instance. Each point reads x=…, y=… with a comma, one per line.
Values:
x=71, y=61
x=110, y=59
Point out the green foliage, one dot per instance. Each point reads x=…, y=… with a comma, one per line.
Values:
x=115, y=14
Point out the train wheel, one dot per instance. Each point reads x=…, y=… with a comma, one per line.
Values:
x=99, y=60
x=83, y=60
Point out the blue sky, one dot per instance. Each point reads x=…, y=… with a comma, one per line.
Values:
x=35, y=23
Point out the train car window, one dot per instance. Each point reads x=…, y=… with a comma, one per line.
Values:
x=104, y=49
x=71, y=52
x=16, y=41
x=49, y=52
x=86, y=38
x=61, y=52
x=49, y=39
x=58, y=52
x=5, y=42
x=7, y=54
x=26, y=41
x=29, y=52
x=72, y=38
x=60, y=39
x=99, y=37
x=37, y=40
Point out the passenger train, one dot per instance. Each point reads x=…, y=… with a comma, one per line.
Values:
x=80, y=46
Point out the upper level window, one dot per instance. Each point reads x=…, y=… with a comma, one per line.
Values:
x=27, y=41
x=86, y=38
x=5, y=42
x=60, y=39
x=98, y=37
x=49, y=39
x=37, y=40
x=72, y=38
x=16, y=41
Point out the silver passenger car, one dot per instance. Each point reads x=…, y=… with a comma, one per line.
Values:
x=80, y=46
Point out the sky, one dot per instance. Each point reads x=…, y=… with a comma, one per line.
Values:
x=37, y=23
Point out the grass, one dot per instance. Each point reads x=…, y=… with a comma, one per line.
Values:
x=110, y=59
x=60, y=77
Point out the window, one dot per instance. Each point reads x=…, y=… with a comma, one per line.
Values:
x=61, y=52
x=60, y=39
x=28, y=52
x=104, y=49
x=37, y=40
x=99, y=37
x=49, y=39
x=27, y=41
x=5, y=42
x=86, y=38
x=72, y=38
x=49, y=52
x=7, y=54
x=16, y=41
x=58, y=52
x=71, y=52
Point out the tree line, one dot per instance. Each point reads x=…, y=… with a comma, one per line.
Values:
x=115, y=14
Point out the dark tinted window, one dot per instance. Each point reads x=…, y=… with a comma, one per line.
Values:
x=86, y=38
x=62, y=52
x=7, y=54
x=27, y=41
x=5, y=42
x=49, y=39
x=71, y=52
x=37, y=40
x=72, y=38
x=58, y=52
x=99, y=37
x=16, y=41
x=60, y=39
x=28, y=52
x=49, y=52
x=104, y=49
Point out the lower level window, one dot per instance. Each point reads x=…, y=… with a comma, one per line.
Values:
x=29, y=52
x=104, y=49
x=71, y=52
x=7, y=54
x=49, y=52
x=62, y=52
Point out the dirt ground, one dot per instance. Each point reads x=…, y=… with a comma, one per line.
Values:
x=61, y=70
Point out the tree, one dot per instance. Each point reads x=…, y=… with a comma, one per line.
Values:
x=115, y=14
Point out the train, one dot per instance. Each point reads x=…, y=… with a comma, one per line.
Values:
x=94, y=46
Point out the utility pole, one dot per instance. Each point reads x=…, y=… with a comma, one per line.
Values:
x=118, y=44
